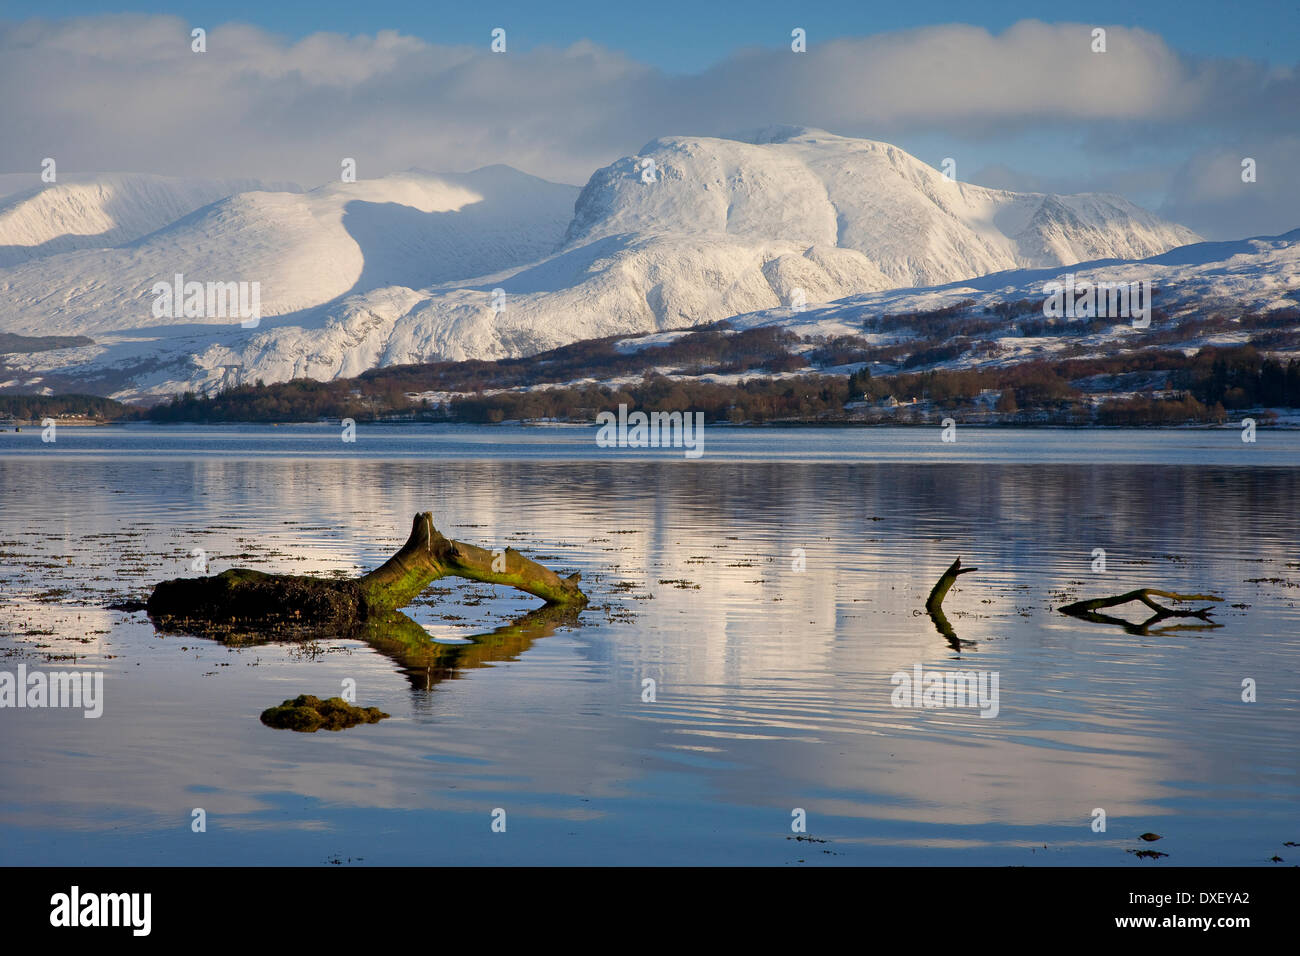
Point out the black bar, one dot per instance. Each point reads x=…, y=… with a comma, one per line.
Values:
x=370, y=904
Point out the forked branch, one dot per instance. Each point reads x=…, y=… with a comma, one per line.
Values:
x=1090, y=610
x=1144, y=595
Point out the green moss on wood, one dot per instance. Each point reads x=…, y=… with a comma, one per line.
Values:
x=243, y=598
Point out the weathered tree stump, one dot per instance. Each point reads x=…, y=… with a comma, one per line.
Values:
x=253, y=600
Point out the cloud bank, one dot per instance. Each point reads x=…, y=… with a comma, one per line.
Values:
x=126, y=93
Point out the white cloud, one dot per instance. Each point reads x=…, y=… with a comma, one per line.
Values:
x=126, y=93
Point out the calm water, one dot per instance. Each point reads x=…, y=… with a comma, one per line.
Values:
x=772, y=685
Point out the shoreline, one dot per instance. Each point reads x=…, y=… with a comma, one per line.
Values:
x=543, y=423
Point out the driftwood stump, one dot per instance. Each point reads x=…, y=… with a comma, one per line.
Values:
x=247, y=599
x=1090, y=610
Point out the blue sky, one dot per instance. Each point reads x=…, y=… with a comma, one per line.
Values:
x=688, y=35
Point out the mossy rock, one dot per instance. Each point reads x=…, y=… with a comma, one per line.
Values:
x=307, y=714
x=241, y=596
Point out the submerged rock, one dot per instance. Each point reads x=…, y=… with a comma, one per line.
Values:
x=307, y=714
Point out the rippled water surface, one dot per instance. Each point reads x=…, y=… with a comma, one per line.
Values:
x=770, y=590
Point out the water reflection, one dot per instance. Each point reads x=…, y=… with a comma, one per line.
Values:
x=772, y=683
x=427, y=663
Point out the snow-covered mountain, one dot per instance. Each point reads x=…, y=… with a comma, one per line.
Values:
x=1258, y=275
x=407, y=268
x=304, y=248
x=817, y=189
x=91, y=212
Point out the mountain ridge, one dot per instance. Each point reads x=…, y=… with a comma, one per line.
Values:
x=495, y=263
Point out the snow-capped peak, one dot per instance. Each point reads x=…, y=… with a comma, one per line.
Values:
x=805, y=185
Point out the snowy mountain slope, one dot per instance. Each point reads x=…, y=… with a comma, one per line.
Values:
x=813, y=187
x=1260, y=274
x=605, y=288
x=305, y=249
x=404, y=269
x=399, y=326
x=80, y=212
